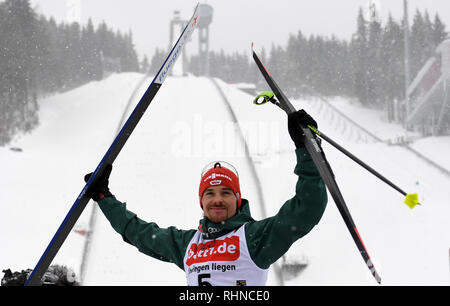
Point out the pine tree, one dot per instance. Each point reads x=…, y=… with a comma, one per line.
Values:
x=44, y=79
x=294, y=50
x=144, y=65
x=439, y=32
x=4, y=112
x=72, y=61
x=418, y=43
x=429, y=45
x=129, y=58
x=374, y=64
x=278, y=65
x=19, y=50
x=91, y=68
x=106, y=41
x=156, y=61
x=360, y=54
x=392, y=63
x=337, y=66
x=318, y=64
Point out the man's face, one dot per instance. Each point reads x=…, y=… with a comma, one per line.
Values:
x=219, y=203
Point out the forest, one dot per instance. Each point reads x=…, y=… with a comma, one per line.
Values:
x=39, y=57
x=370, y=67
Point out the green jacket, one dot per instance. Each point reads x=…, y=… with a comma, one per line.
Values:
x=267, y=239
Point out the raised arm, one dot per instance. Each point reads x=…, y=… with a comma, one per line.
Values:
x=166, y=244
x=269, y=239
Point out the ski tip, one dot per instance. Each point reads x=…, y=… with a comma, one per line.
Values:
x=378, y=279
x=412, y=200
x=374, y=273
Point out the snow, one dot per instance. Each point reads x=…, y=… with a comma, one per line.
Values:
x=157, y=175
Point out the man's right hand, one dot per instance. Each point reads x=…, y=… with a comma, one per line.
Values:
x=100, y=189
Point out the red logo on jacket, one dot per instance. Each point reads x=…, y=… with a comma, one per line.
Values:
x=218, y=250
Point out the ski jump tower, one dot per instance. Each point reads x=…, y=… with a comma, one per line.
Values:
x=206, y=17
x=429, y=94
x=177, y=25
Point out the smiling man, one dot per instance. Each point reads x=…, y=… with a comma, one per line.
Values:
x=229, y=248
x=219, y=191
x=219, y=203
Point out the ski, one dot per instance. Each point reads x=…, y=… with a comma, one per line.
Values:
x=111, y=154
x=324, y=168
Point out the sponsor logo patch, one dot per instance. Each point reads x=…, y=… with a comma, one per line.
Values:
x=218, y=250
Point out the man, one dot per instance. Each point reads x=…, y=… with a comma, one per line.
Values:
x=229, y=248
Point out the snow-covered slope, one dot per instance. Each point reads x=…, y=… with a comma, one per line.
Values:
x=157, y=174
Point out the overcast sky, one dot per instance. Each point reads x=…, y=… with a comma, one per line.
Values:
x=236, y=23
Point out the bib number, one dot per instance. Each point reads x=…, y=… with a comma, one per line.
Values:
x=201, y=282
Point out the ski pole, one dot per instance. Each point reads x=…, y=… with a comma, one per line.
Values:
x=411, y=200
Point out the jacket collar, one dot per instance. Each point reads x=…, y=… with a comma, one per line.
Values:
x=211, y=230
